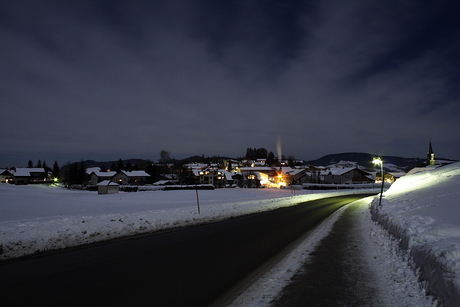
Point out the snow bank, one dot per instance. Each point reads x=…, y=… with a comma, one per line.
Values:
x=422, y=211
x=34, y=219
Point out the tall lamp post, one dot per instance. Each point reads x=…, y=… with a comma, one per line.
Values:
x=380, y=161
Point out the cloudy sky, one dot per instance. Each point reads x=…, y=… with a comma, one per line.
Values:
x=105, y=80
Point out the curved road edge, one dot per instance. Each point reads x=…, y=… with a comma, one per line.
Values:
x=265, y=283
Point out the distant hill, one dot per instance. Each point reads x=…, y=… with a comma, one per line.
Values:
x=108, y=164
x=365, y=159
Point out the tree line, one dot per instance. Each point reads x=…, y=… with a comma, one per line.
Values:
x=55, y=170
x=270, y=159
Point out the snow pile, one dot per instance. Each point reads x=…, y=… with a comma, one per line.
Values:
x=422, y=211
x=37, y=218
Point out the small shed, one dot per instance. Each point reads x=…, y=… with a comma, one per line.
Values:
x=107, y=187
x=164, y=182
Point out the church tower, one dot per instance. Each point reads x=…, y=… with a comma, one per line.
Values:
x=430, y=156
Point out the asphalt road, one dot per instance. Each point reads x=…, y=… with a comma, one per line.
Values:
x=188, y=267
x=336, y=273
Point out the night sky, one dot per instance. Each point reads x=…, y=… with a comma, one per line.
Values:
x=105, y=80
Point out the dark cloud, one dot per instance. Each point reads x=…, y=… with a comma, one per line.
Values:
x=111, y=79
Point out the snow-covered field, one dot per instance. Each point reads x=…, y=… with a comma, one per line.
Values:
x=36, y=218
x=421, y=211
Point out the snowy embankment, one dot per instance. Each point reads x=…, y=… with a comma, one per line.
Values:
x=34, y=219
x=422, y=211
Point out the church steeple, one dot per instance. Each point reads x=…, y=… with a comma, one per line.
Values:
x=430, y=156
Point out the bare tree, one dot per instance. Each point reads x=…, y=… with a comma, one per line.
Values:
x=165, y=157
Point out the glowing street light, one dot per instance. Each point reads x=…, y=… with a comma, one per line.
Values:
x=380, y=161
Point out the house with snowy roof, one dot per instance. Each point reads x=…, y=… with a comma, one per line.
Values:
x=270, y=171
x=393, y=176
x=132, y=177
x=6, y=175
x=256, y=176
x=195, y=166
x=96, y=176
x=30, y=175
x=294, y=175
x=89, y=170
x=345, y=175
x=214, y=176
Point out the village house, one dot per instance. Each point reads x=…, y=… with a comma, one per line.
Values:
x=96, y=177
x=30, y=175
x=213, y=176
x=229, y=181
x=254, y=179
x=294, y=175
x=346, y=175
x=257, y=176
x=391, y=177
x=268, y=170
x=133, y=177
x=237, y=180
x=232, y=165
x=6, y=175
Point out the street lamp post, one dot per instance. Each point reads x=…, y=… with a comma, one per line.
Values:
x=380, y=161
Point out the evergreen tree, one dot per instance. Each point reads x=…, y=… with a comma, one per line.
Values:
x=249, y=153
x=81, y=174
x=65, y=173
x=271, y=161
x=73, y=174
x=262, y=153
x=129, y=166
x=46, y=167
x=256, y=153
x=229, y=166
x=291, y=161
x=153, y=171
x=55, y=170
x=39, y=164
x=30, y=164
x=121, y=166
x=113, y=167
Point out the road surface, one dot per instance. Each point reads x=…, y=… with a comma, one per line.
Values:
x=336, y=274
x=188, y=267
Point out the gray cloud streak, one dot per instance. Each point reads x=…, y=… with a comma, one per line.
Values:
x=195, y=78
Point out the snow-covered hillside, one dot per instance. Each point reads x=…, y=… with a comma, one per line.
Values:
x=423, y=212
